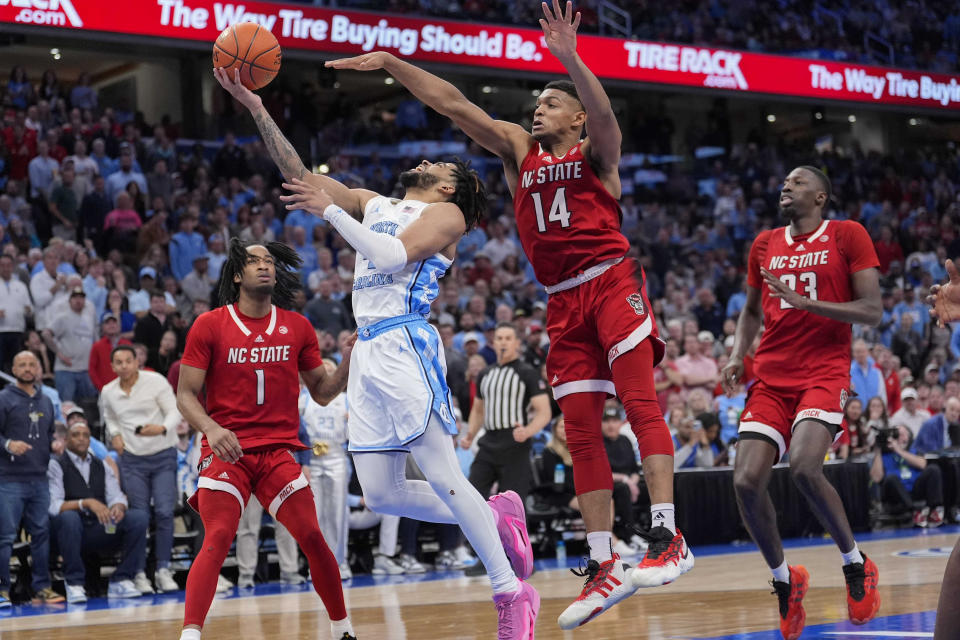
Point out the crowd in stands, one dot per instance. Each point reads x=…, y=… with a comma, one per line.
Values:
x=112, y=235
x=923, y=34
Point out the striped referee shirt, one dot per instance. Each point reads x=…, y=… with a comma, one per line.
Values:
x=506, y=391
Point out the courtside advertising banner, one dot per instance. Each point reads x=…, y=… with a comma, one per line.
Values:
x=496, y=47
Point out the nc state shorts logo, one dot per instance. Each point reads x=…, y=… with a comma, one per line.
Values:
x=843, y=398
x=635, y=300
x=205, y=463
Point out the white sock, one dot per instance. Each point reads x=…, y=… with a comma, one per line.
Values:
x=852, y=556
x=190, y=634
x=662, y=514
x=340, y=627
x=782, y=573
x=601, y=545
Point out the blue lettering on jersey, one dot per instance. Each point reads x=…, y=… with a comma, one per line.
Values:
x=375, y=280
x=385, y=226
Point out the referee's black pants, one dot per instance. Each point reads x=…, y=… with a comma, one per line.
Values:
x=503, y=460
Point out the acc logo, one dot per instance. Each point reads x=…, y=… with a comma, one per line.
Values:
x=934, y=552
x=205, y=463
x=283, y=329
x=635, y=300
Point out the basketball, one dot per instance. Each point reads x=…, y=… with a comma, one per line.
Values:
x=252, y=49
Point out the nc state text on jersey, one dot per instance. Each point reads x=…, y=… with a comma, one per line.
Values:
x=802, y=261
x=553, y=172
x=258, y=355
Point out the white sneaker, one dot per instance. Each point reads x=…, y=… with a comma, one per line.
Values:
x=245, y=582
x=345, y=571
x=447, y=561
x=122, y=589
x=163, y=578
x=606, y=584
x=76, y=594
x=142, y=584
x=385, y=566
x=292, y=579
x=223, y=585
x=639, y=544
x=464, y=556
x=410, y=564
x=624, y=550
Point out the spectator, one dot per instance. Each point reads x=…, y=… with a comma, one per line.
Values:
x=43, y=169
x=65, y=206
x=70, y=336
x=230, y=160
x=121, y=223
x=125, y=174
x=160, y=182
x=911, y=306
x=93, y=211
x=151, y=327
x=942, y=431
x=26, y=426
x=908, y=345
x=667, y=378
x=89, y=515
x=499, y=246
x=866, y=380
x=248, y=547
x=324, y=312
x=535, y=351
x=101, y=368
x=86, y=167
x=106, y=165
x=168, y=352
x=185, y=245
x=709, y=313
x=910, y=415
x=15, y=307
x=556, y=455
x=141, y=417
x=626, y=482
x=83, y=96
x=891, y=380
x=698, y=368
x=692, y=447
x=906, y=477
x=198, y=284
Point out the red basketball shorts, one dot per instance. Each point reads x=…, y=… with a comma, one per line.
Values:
x=772, y=413
x=593, y=323
x=272, y=475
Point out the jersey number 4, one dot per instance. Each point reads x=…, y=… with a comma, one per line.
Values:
x=558, y=210
x=808, y=279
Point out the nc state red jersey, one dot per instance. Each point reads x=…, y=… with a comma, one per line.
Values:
x=253, y=367
x=566, y=219
x=797, y=344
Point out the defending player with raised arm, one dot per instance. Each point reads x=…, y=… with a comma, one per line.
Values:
x=603, y=339
x=248, y=353
x=807, y=283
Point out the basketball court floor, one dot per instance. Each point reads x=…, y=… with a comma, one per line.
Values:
x=726, y=596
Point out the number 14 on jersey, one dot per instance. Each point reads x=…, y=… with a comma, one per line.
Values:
x=558, y=210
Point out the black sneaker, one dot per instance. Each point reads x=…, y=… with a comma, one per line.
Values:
x=347, y=636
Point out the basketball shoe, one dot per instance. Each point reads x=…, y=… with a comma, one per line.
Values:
x=517, y=613
x=511, y=523
x=790, y=597
x=606, y=585
x=863, y=599
x=667, y=558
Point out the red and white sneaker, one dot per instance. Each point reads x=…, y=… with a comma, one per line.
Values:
x=668, y=557
x=606, y=585
x=935, y=519
x=517, y=613
x=863, y=598
x=790, y=598
x=511, y=523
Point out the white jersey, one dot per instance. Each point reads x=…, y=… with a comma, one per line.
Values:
x=326, y=423
x=377, y=295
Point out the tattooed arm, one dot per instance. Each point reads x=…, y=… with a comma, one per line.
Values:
x=282, y=152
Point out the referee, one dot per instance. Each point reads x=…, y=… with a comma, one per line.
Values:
x=504, y=392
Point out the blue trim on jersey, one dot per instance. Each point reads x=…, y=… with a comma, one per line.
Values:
x=426, y=381
x=435, y=380
x=425, y=285
x=371, y=331
x=408, y=304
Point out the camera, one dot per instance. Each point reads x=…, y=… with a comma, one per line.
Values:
x=884, y=434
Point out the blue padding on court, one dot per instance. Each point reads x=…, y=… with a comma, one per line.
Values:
x=902, y=627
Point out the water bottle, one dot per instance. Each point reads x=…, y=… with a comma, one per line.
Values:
x=559, y=476
x=561, y=552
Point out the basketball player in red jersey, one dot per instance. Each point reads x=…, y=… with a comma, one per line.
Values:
x=603, y=341
x=807, y=282
x=249, y=353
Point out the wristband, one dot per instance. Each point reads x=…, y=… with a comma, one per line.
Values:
x=80, y=505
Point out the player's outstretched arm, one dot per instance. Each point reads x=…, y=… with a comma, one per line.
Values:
x=223, y=442
x=560, y=34
x=865, y=308
x=506, y=140
x=324, y=387
x=945, y=299
x=283, y=153
x=748, y=324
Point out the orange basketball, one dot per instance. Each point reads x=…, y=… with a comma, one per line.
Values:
x=252, y=49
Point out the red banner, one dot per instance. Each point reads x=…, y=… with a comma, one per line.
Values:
x=497, y=47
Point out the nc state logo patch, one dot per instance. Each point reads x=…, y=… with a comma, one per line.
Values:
x=635, y=300
x=843, y=398
x=205, y=463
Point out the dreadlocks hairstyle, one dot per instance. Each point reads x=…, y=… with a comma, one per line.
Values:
x=822, y=179
x=470, y=194
x=567, y=87
x=287, y=263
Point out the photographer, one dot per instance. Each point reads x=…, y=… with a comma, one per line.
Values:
x=906, y=477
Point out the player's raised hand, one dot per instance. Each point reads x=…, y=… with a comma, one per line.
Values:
x=731, y=374
x=306, y=196
x=779, y=289
x=367, y=62
x=243, y=95
x=224, y=444
x=560, y=29
x=945, y=299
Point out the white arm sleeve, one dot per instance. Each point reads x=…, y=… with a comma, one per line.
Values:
x=386, y=252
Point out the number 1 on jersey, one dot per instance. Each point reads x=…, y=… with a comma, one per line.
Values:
x=260, y=392
x=807, y=278
x=558, y=210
